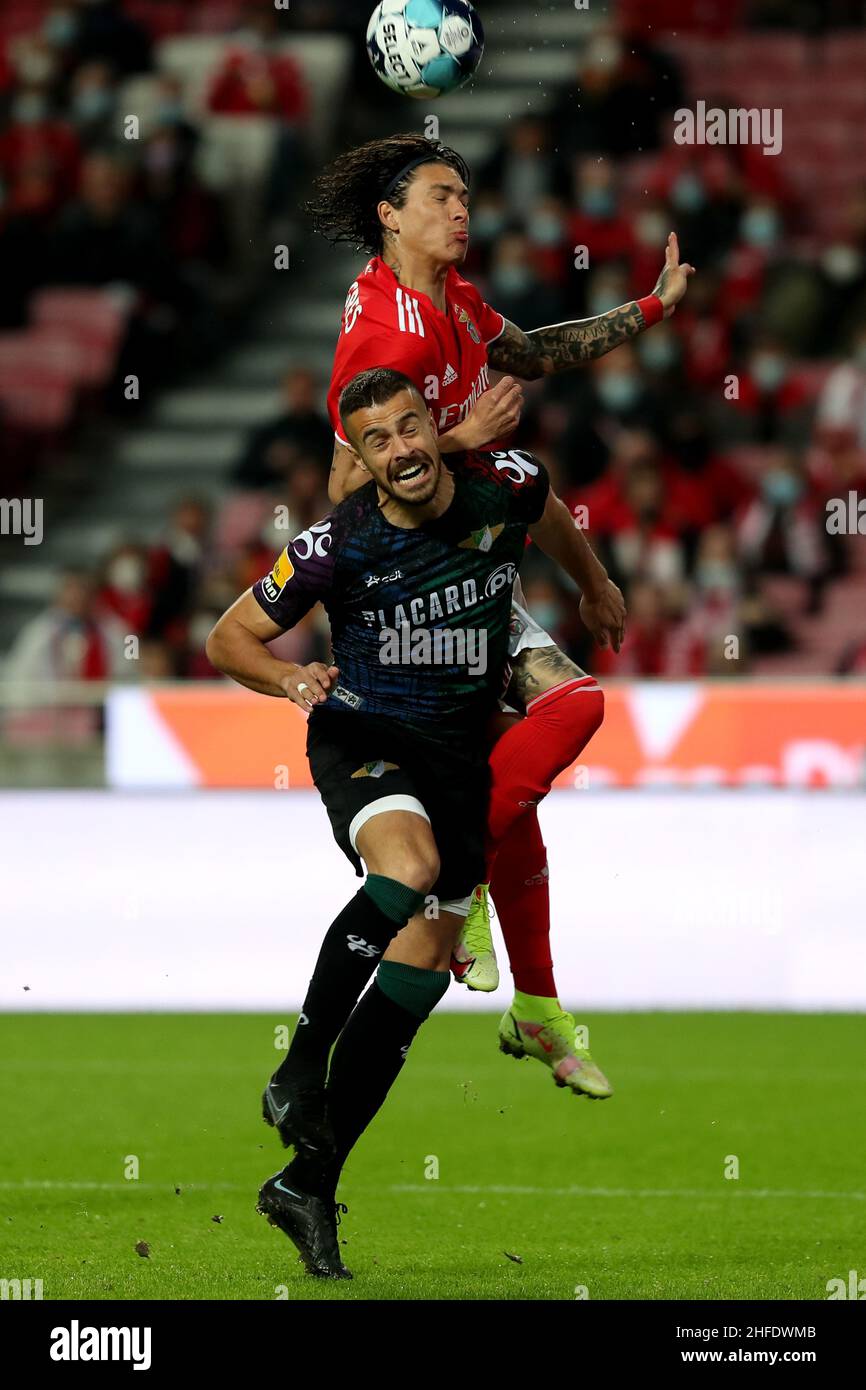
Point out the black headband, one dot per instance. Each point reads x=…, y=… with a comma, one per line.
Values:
x=431, y=158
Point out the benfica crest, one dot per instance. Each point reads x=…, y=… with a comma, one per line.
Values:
x=470, y=326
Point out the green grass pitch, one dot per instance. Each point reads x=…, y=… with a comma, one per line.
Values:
x=626, y=1198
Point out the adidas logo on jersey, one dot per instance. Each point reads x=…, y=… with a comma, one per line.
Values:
x=450, y=375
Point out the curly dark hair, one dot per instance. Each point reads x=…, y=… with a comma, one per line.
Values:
x=347, y=192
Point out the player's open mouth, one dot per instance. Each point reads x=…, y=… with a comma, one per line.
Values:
x=411, y=473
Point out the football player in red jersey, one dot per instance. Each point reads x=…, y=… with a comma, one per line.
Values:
x=405, y=200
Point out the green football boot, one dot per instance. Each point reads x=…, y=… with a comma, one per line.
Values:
x=540, y=1028
x=473, y=960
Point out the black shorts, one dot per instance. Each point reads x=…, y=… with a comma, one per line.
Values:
x=359, y=760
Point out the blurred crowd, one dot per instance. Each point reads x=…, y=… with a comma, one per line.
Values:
x=167, y=596
x=105, y=181
x=699, y=457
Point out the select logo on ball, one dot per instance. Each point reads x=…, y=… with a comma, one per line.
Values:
x=424, y=48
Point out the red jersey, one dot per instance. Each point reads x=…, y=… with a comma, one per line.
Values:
x=444, y=353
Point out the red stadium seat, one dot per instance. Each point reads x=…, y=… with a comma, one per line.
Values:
x=22, y=17
x=215, y=16
x=161, y=20
x=96, y=316
x=771, y=53
x=89, y=360
x=36, y=397
x=846, y=49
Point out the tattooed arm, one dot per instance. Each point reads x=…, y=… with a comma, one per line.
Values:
x=561, y=346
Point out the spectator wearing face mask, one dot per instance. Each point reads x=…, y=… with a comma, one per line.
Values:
x=547, y=232
x=92, y=103
x=752, y=249
x=516, y=285
x=660, y=357
x=191, y=219
x=705, y=205
x=39, y=159
x=771, y=403
x=782, y=531
x=598, y=222
x=125, y=593
x=72, y=640
x=606, y=402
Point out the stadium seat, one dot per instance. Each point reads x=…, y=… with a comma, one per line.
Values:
x=36, y=396
x=844, y=49
x=21, y=17
x=88, y=359
x=215, y=16
x=240, y=521
x=325, y=60
x=236, y=153
x=193, y=59
x=160, y=20
x=98, y=315
x=772, y=53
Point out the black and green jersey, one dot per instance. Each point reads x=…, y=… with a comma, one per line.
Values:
x=419, y=618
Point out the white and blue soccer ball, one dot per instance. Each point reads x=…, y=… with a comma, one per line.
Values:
x=424, y=48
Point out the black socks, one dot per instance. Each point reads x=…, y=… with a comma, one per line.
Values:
x=367, y=1060
x=351, y=950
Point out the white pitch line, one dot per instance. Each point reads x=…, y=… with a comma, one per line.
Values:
x=494, y=1190
x=693, y=1192
x=61, y=1185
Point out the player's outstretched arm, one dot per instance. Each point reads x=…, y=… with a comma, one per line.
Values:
x=602, y=606
x=236, y=646
x=561, y=346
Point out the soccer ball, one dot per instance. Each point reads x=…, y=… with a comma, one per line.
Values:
x=423, y=48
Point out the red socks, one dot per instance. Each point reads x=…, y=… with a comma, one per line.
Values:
x=523, y=764
x=534, y=750
x=520, y=894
